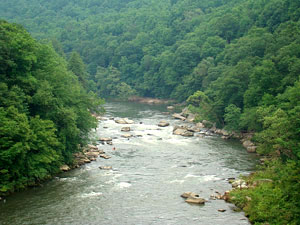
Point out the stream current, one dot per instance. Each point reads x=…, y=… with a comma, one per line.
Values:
x=150, y=172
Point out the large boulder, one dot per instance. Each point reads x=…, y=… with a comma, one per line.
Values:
x=183, y=132
x=126, y=135
x=189, y=194
x=105, y=139
x=193, y=198
x=125, y=129
x=104, y=156
x=191, y=117
x=93, y=147
x=194, y=129
x=249, y=145
x=92, y=154
x=163, y=123
x=251, y=149
x=200, y=125
x=64, y=168
x=179, y=116
x=124, y=121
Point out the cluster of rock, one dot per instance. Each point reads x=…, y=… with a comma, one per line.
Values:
x=193, y=198
x=89, y=154
x=188, y=131
x=186, y=115
x=238, y=184
x=106, y=140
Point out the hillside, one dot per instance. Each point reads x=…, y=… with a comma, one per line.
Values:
x=235, y=62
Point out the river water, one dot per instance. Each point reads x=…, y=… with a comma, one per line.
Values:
x=150, y=172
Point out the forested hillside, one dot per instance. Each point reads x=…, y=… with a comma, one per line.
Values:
x=45, y=113
x=236, y=62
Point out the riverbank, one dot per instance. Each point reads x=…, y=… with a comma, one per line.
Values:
x=270, y=194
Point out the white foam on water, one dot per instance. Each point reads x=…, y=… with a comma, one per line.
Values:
x=176, y=181
x=111, y=181
x=72, y=179
x=176, y=141
x=191, y=175
x=210, y=178
x=91, y=194
x=123, y=185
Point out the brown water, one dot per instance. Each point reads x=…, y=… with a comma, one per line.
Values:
x=149, y=175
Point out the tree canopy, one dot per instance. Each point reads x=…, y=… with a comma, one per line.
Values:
x=45, y=113
x=235, y=62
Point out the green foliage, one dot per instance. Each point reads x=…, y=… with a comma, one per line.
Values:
x=76, y=65
x=199, y=103
x=275, y=199
x=44, y=111
x=110, y=84
x=232, y=118
x=236, y=62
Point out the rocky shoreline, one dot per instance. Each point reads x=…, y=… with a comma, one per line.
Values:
x=208, y=128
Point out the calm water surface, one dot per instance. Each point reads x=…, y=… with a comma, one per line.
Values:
x=149, y=174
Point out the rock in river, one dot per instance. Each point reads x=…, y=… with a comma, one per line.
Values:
x=105, y=139
x=126, y=135
x=105, y=167
x=178, y=116
x=64, y=168
x=163, y=123
x=105, y=156
x=194, y=198
x=124, y=121
x=125, y=129
x=182, y=131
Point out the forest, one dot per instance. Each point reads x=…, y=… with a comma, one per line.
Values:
x=235, y=62
x=45, y=112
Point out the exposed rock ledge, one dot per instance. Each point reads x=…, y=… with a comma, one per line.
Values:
x=187, y=115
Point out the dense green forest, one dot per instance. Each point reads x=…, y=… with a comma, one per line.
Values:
x=44, y=110
x=236, y=62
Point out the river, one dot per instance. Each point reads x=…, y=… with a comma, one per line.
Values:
x=150, y=172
